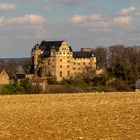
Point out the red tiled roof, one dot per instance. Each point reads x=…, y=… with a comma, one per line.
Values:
x=38, y=79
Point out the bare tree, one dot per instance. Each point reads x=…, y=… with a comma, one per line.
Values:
x=101, y=55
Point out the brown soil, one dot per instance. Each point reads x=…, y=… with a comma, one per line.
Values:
x=95, y=116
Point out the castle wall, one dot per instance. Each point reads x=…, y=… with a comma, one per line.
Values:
x=62, y=65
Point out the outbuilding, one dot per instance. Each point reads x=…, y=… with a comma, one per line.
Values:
x=137, y=86
x=4, y=78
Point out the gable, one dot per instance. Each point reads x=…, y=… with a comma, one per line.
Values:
x=64, y=47
x=4, y=75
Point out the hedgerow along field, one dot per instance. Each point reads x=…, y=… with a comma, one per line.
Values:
x=92, y=116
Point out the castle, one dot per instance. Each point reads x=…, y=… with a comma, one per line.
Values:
x=57, y=59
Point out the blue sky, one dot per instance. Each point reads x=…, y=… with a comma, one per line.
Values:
x=82, y=23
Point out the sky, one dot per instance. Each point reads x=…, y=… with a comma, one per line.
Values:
x=82, y=23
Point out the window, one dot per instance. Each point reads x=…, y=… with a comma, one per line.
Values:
x=74, y=63
x=60, y=66
x=60, y=60
x=68, y=66
x=83, y=63
x=68, y=73
x=60, y=73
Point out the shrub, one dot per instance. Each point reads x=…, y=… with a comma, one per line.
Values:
x=79, y=85
x=8, y=89
x=20, y=86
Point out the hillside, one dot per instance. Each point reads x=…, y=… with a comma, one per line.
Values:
x=109, y=116
x=11, y=64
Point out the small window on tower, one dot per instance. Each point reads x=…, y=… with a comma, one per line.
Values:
x=68, y=73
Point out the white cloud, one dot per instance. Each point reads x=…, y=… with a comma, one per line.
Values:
x=7, y=6
x=90, y=18
x=90, y=21
x=2, y=20
x=71, y=2
x=29, y=23
x=27, y=19
x=122, y=20
x=78, y=19
x=95, y=17
x=128, y=10
x=96, y=22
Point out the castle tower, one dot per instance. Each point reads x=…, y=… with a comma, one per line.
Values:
x=36, y=52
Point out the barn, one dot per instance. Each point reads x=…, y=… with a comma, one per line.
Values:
x=137, y=86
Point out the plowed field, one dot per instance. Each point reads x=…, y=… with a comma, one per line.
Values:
x=92, y=116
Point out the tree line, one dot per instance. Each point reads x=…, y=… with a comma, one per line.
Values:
x=125, y=55
x=122, y=65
